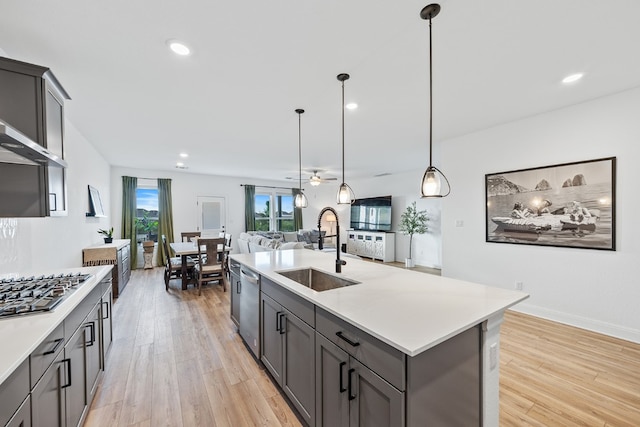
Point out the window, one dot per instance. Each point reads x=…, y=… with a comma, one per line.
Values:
x=274, y=212
x=147, y=214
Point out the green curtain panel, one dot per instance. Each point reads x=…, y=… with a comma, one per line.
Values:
x=165, y=215
x=249, y=207
x=129, y=185
x=297, y=212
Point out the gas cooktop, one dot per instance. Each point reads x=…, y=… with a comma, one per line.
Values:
x=36, y=294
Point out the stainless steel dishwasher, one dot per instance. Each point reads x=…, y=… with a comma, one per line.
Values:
x=250, y=309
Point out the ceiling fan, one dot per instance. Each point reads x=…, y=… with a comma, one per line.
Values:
x=315, y=179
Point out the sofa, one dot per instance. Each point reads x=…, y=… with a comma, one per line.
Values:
x=268, y=241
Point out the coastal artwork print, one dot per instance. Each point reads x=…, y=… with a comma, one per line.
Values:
x=566, y=205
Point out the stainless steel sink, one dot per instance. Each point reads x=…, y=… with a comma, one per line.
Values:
x=316, y=279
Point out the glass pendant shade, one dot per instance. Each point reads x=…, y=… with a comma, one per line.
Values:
x=345, y=195
x=300, y=201
x=432, y=183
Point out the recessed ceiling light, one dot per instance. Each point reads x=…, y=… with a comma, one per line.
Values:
x=572, y=78
x=351, y=106
x=184, y=155
x=179, y=164
x=178, y=47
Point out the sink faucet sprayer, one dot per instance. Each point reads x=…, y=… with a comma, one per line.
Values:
x=339, y=262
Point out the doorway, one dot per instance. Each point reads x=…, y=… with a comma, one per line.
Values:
x=211, y=215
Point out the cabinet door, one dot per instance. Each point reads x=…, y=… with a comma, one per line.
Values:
x=92, y=345
x=76, y=395
x=22, y=418
x=299, y=367
x=47, y=397
x=54, y=122
x=106, y=333
x=332, y=402
x=272, y=331
x=236, y=289
x=373, y=401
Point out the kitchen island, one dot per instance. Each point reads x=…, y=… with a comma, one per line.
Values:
x=432, y=341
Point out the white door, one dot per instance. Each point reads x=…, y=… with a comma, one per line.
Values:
x=211, y=215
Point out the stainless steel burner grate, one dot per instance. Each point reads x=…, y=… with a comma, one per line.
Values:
x=36, y=294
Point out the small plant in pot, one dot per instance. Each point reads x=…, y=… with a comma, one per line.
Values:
x=108, y=235
x=412, y=222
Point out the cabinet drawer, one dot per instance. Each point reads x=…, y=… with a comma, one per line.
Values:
x=378, y=356
x=42, y=356
x=295, y=304
x=13, y=391
x=75, y=318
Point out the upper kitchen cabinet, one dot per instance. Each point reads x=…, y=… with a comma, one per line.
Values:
x=32, y=166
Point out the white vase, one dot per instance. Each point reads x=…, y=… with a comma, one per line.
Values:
x=409, y=263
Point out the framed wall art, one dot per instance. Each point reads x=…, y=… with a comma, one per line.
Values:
x=566, y=205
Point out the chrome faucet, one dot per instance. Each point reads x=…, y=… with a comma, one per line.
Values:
x=339, y=262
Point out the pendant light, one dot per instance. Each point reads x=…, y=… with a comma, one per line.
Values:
x=345, y=193
x=300, y=201
x=431, y=186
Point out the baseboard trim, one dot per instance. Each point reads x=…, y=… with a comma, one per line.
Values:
x=605, y=328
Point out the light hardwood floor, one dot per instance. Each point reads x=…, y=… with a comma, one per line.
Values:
x=177, y=360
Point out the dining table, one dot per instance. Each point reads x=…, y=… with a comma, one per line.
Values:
x=183, y=250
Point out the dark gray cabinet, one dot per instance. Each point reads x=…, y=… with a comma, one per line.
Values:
x=271, y=331
x=350, y=394
x=76, y=394
x=22, y=418
x=92, y=349
x=117, y=253
x=32, y=102
x=288, y=347
x=236, y=289
x=13, y=392
x=48, y=396
x=106, y=335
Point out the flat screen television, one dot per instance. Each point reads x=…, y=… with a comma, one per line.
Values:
x=372, y=214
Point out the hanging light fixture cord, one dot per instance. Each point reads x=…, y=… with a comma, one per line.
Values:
x=343, y=129
x=430, y=98
x=299, y=111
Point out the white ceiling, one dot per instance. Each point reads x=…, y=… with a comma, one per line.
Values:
x=231, y=104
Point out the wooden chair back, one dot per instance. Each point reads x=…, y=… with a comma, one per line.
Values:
x=187, y=236
x=209, y=250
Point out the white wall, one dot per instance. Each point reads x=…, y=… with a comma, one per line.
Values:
x=185, y=189
x=33, y=245
x=593, y=289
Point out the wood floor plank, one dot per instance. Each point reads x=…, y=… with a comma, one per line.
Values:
x=166, y=409
x=177, y=360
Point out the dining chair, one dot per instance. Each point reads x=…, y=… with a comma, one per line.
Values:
x=210, y=264
x=187, y=236
x=227, y=244
x=173, y=265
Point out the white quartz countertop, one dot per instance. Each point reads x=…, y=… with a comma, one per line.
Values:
x=21, y=335
x=408, y=310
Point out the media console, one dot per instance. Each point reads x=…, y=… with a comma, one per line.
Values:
x=372, y=244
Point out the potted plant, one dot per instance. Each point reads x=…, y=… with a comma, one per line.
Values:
x=108, y=235
x=412, y=222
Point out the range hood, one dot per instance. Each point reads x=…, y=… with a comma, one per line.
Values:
x=15, y=147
